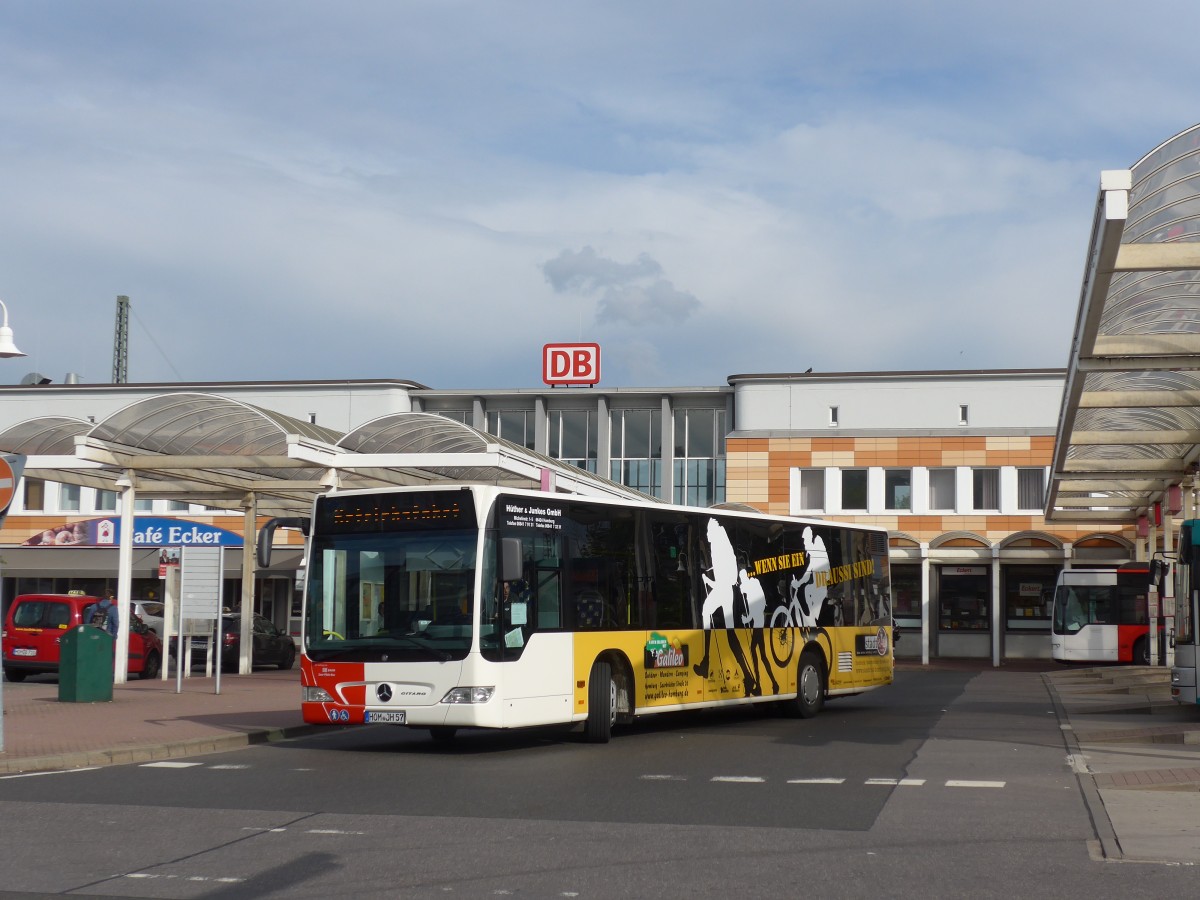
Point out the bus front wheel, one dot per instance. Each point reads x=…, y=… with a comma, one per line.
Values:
x=602, y=703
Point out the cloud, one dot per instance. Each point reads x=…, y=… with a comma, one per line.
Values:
x=657, y=303
x=629, y=293
x=586, y=272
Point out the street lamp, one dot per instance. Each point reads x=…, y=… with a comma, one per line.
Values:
x=7, y=348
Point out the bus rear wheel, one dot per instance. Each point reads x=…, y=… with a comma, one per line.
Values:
x=602, y=703
x=1141, y=652
x=810, y=685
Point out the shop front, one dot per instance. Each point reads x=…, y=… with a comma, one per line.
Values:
x=963, y=621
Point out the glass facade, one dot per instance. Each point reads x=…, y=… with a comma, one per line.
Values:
x=636, y=449
x=699, y=456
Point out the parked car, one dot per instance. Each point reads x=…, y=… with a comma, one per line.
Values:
x=150, y=612
x=270, y=645
x=36, y=623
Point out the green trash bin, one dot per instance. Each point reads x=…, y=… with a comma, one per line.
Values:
x=85, y=665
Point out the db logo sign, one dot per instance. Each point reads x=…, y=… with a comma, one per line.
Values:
x=571, y=364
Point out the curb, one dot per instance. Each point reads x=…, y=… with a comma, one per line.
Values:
x=122, y=756
x=1110, y=846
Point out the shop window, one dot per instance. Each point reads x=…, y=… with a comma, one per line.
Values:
x=963, y=599
x=68, y=497
x=906, y=596
x=985, y=486
x=812, y=490
x=897, y=486
x=941, y=490
x=1028, y=595
x=854, y=490
x=1031, y=488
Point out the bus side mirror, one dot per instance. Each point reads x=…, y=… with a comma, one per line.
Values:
x=1158, y=572
x=266, y=536
x=511, y=560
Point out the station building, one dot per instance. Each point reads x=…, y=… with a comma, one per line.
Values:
x=953, y=463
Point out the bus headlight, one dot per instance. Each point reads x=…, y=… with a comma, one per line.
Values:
x=315, y=695
x=469, y=695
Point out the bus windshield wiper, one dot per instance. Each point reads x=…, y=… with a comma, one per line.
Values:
x=440, y=655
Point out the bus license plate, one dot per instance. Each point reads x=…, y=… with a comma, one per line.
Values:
x=24, y=651
x=387, y=718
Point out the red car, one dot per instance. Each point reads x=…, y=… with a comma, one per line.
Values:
x=36, y=623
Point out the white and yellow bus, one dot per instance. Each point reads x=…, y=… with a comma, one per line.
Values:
x=483, y=607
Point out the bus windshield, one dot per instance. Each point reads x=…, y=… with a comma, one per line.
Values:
x=382, y=587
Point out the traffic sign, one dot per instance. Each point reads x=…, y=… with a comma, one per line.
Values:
x=11, y=467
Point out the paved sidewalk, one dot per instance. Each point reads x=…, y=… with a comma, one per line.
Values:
x=1136, y=753
x=146, y=720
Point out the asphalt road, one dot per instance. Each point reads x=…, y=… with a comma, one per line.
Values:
x=947, y=784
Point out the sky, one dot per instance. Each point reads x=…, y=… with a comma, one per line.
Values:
x=431, y=190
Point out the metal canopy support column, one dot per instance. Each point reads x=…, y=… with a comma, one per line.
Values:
x=124, y=577
x=998, y=620
x=926, y=618
x=246, y=644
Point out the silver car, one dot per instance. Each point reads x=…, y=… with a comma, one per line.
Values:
x=150, y=612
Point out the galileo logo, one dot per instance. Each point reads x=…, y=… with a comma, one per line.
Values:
x=664, y=654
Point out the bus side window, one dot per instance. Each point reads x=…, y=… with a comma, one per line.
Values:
x=589, y=609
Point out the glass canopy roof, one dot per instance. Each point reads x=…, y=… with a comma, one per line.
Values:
x=1129, y=428
x=213, y=450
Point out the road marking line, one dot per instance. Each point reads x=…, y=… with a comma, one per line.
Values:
x=816, y=780
x=739, y=779
x=229, y=767
x=59, y=772
x=976, y=784
x=663, y=777
x=331, y=831
x=896, y=782
x=169, y=765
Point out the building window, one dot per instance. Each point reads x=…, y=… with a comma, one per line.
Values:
x=985, y=489
x=1031, y=488
x=573, y=437
x=35, y=494
x=456, y=415
x=178, y=505
x=515, y=425
x=637, y=449
x=897, y=486
x=963, y=414
x=854, y=490
x=68, y=497
x=143, y=505
x=941, y=489
x=699, y=456
x=106, y=501
x=833, y=416
x=812, y=490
